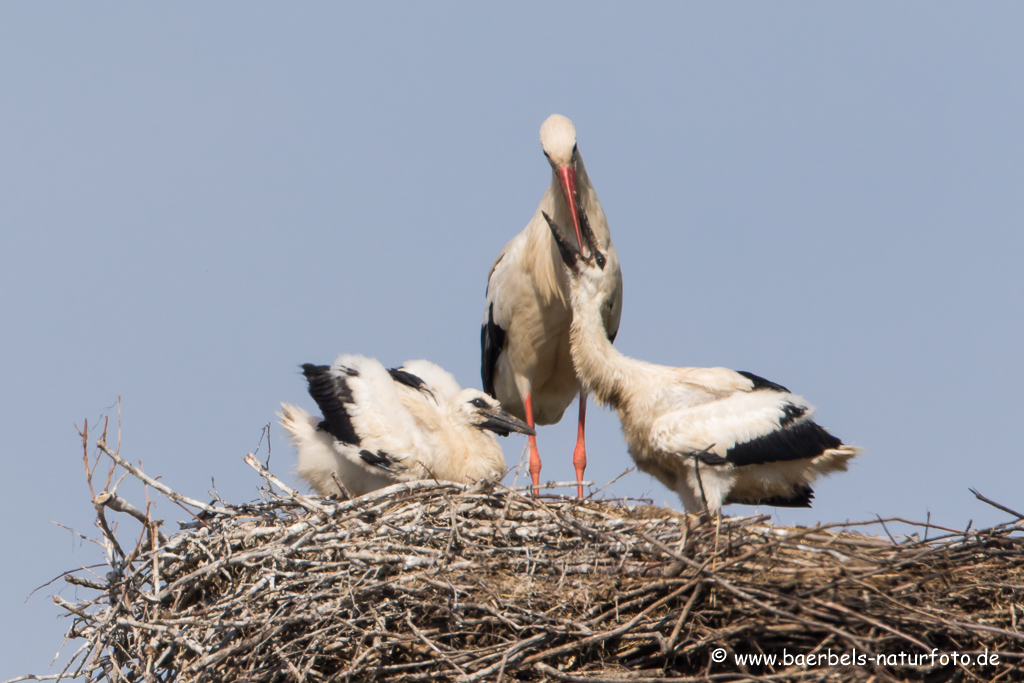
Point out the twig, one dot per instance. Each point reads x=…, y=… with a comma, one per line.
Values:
x=166, y=490
x=593, y=495
x=995, y=504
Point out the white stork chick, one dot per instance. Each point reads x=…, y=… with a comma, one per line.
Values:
x=525, y=335
x=381, y=427
x=712, y=435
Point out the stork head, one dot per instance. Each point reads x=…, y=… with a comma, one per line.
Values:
x=558, y=140
x=483, y=412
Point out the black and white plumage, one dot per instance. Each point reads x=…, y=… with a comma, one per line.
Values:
x=381, y=426
x=525, y=361
x=712, y=435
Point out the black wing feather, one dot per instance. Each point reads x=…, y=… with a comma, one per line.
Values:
x=800, y=498
x=492, y=342
x=410, y=380
x=379, y=459
x=331, y=394
x=762, y=383
x=795, y=442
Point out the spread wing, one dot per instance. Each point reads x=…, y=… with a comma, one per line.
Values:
x=364, y=413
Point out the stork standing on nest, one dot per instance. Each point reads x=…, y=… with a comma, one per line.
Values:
x=524, y=340
x=712, y=435
x=381, y=427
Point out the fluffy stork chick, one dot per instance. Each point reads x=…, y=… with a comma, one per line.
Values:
x=712, y=435
x=525, y=335
x=381, y=427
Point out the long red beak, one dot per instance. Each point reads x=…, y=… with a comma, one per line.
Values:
x=567, y=177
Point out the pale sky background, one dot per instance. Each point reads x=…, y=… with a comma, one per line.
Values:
x=195, y=199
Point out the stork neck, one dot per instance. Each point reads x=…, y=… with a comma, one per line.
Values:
x=601, y=368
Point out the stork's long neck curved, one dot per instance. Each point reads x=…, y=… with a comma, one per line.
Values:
x=603, y=370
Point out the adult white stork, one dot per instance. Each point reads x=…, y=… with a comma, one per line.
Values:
x=712, y=435
x=525, y=335
x=381, y=427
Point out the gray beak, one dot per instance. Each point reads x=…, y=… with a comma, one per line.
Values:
x=503, y=423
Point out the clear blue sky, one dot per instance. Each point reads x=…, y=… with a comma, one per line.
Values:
x=196, y=199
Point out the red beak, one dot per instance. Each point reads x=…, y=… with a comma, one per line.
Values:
x=567, y=176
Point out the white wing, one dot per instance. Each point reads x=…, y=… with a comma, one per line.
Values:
x=722, y=423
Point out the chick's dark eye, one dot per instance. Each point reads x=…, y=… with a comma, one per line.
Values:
x=600, y=260
x=479, y=403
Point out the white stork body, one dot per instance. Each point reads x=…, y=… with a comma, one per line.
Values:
x=526, y=362
x=712, y=435
x=384, y=426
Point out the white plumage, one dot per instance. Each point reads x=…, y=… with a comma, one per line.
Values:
x=525, y=335
x=381, y=426
x=712, y=435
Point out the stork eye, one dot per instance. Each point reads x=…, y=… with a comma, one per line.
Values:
x=599, y=257
x=479, y=403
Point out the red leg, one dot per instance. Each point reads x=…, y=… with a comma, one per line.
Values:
x=534, y=454
x=579, y=456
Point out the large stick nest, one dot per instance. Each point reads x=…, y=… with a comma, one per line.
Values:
x=431, y=580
